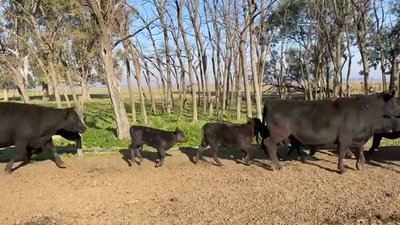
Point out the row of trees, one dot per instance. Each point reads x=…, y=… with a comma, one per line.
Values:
x=274, y=44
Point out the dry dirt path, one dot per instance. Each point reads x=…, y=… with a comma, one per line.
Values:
x=105, y=190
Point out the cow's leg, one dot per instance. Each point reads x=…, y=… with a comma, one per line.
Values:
x=20, y=153
x=57, y=158
x=161, y=154
x=350, y=154
x=244, y=154
x=375, y=144
x=313, y=150
x=198, y=155
x=360, y=159
x=214, y=151
x=272, y=146
x=28, y=155
x=342, y=147
x=138, y=154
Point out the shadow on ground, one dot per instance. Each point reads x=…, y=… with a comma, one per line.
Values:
x=152, y=156
x=7, y=153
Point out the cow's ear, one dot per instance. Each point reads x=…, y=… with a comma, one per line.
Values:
x=390, y=95
x=66, y=113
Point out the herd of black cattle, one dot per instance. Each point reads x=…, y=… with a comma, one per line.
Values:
x=348, y=122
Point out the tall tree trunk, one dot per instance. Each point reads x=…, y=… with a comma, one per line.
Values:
x=238, y=72
x=113, y=87
x=20, y=80
x=350, y=61
x=54, y=82
x=130, y=89
x=5, y=92
x=168, y=62
x=179, y=6
x=71, y=87
x=394, y=72
x=65, y=95
x=148, y=78
x=254, y=60
x=243, y=57
x=136, y=62
x=45, y=91
x=85, y=83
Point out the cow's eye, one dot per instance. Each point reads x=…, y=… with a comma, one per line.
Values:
x=73, y=118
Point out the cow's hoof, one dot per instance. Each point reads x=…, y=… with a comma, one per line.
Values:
x=359, y=166
x=61, y=164
x=7, y=170
x=157, y=166
x=342, y=171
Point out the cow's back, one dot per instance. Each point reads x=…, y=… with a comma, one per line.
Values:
x=150, y=136
x=23, y=121
x=227, y=134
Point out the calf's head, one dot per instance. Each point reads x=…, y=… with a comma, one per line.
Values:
x=72, y=122
x=179, y=135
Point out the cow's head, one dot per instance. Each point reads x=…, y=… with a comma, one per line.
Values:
x=72, y=122
x=390, y=108
x=180, y=135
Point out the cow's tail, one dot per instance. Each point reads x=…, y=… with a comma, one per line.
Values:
x=203, y=136
x=265, y=134
x=264, y=114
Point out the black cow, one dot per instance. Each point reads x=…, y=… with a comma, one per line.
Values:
x=261, y=130
x=30, y=126
x=233, y=135
x=159, y=139
x=347, y=121
x=71, y=136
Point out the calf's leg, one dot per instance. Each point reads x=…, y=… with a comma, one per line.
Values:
x=132, y=150
x=214, y=151
x=247, y=157
x=161, y=154
x=138, y=154
x=199, y=154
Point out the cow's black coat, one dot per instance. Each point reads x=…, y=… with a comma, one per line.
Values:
x=30, y=126
x=71, y=136
x=230, y=135
x=159, y=139
x=346, y=121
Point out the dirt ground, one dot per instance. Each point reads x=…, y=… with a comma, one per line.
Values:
x=106, y=190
